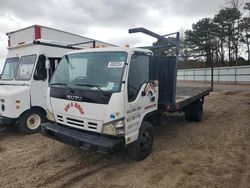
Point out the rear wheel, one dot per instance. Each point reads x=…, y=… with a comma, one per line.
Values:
x=197, y=111
x=141, y=148
x=30, y=121
x=188, y=112
x=194, y=112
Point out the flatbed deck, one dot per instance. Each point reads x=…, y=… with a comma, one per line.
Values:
x=187, y=95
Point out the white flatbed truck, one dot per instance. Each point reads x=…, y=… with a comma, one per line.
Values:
x=115, y=99
x=25, y=76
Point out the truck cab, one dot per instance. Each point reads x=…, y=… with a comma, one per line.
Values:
x=104, y=93
x=93, y=90
x=33, y=55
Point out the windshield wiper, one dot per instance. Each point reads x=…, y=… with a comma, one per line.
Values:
x=61, y=84
x=92, y=85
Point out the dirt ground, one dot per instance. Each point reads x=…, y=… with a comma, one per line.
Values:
x=212, y=153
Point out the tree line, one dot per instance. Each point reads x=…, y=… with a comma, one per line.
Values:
x=222, y=40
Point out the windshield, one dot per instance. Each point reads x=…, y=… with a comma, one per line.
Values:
x=92, y=70
x=25, y=67
x=10, y=67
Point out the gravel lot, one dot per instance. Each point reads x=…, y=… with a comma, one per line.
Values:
x=212, y=153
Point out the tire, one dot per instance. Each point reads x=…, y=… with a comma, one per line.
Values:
x=194, y=111
x=30, y=121
x=197, y=111
x=142, y=147
x=188, y=112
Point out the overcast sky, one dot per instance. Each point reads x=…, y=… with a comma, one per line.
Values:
x=106, y=20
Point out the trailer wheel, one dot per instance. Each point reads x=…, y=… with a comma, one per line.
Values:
x=197, y=111
x=141, y=148
x=30, y=121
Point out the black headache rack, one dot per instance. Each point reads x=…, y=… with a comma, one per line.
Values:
x=84, y=140
x=165, y=72
x=171, y=97
x=163, y=67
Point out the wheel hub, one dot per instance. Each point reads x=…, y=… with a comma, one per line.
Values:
x=33, y=121
x=146, y=142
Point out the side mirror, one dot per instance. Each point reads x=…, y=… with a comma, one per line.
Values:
x=155, y=83
x=47, y=63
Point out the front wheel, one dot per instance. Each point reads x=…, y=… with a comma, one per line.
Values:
x=30, y=121
x=141, y=148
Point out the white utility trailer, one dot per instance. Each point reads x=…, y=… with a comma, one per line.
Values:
x=33, y=54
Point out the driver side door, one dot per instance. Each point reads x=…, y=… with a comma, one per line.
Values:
x=142, y=95
x=39, y=83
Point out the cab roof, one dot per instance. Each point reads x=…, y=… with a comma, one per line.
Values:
x=112, y=49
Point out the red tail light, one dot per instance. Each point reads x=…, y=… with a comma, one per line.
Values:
x=37, y=31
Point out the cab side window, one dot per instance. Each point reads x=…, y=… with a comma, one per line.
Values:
x=138, y=74
x=40, y=72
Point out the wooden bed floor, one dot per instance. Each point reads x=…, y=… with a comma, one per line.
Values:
x=183, y=93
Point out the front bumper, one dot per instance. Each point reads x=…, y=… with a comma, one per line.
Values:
x=83, y=140
x=7, y=121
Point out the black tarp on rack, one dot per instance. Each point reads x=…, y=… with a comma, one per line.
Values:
x=164, y=69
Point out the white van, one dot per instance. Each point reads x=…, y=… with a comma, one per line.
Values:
x=33, y=55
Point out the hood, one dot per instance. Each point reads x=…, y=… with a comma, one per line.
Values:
x=9, y=90
x=76, y=114
x=78, y=109
x=14, y=100
x=87, y=116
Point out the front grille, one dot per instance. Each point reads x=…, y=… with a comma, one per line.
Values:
x=81, y=123
x=92, y=125
x=76, y=122
x=60, y=118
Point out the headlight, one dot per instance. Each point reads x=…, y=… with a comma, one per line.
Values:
x=50, y=116
x=109, y=129
x=115, y=128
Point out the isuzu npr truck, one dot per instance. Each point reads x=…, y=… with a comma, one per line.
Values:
x=109, y=99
